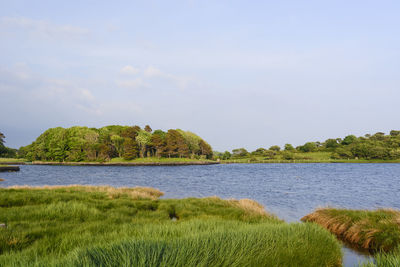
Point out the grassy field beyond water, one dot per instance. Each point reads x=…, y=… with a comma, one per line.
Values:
x=106, y=226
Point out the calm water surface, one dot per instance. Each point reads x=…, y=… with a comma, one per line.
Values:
x=288, y=190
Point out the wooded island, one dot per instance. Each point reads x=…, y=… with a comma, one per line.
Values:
x=77, y=144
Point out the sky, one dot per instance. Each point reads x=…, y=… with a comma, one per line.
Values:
x=238, y=73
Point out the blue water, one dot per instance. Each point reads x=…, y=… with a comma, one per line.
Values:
x=288, y=190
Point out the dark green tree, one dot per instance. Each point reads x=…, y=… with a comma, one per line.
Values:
x=158, y=141
x=349, y=140
x=205, y=149
x=275, y=148
x=226, y=155
x=308, y=147
x=2, y=137
x=240, y=153
x=289, y=147
x=331, y=143
x=131, y=149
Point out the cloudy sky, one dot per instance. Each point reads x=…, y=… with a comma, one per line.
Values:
x=238, y=73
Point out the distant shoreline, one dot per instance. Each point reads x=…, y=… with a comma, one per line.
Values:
x=113, y=163
x=188, y=163
x=241, y=161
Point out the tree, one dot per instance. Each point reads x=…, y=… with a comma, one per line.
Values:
x=259, y=151
x=240, y=153
x=289, y=147
x=3, y=149
x=118, y=141
x=349, y=140
x=175, y=144
x=130, y=149
x=275, y=148
x=331, y=143
x=158, y=142
x=148, y=129
x=86, y=144
x=269, y=154
x=205, y=149
x=394, y=133
x=172, y=143
x=131, y=132
x=2, y=137
x=226, y=155
x=183, y=148
x=308, y=147
x=192, y=140
x=143, y=139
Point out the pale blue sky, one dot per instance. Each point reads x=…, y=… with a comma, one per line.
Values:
x=238, y=73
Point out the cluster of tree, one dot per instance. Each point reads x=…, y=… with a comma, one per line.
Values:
x=91, y=144
x=377, y=146
x=6, y=152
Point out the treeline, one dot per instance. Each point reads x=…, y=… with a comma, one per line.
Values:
x=377, y=146
x=90, y=144
x=6, y=152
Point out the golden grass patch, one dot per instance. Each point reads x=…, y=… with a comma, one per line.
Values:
x=363, y=229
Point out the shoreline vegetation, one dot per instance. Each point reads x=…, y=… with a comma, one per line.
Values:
x=115, y=162
x=375, y=231
x=151, y=161
x=378, y=147
x=126, y=145
x=103, y=225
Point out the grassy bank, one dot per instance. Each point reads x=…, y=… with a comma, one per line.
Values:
x=103, y=226
x=11, y=160
x=156, y=159
x=299, y=157
x=117, y=161
x=376, y=230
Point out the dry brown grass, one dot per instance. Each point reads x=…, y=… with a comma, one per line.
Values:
x=248, y=205
x=112, y=192
x=362, y=229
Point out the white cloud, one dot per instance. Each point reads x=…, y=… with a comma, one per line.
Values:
x=86, y=94
x=132, y=84
x=180, y=82
x=21, y=83
x=129, y=70
x=154, y=72
x=43, y=28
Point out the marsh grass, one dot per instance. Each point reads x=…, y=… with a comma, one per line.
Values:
x=391, y=259
x=375, y=230
x=89, y=226
x=112, y=192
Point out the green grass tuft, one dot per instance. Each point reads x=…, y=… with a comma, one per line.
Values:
x=82, y=226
